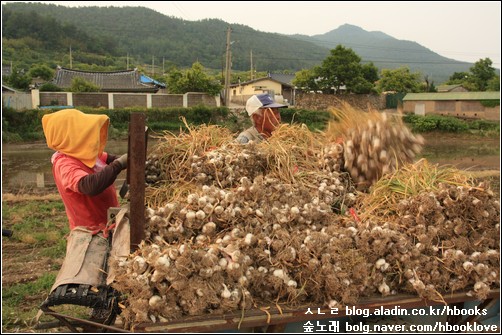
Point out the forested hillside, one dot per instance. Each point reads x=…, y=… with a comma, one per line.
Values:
x=144, y=34
x=113, y=38
x=30, y=38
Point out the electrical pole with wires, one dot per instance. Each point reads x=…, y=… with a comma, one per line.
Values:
x=251, y=61
x=228, y=65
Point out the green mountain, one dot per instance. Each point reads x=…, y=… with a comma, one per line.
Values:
x=144, y=35
x=387, y=52
x=111, y=37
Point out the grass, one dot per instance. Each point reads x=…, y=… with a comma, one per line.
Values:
x=13, y=295
x=56, y=250
x=31, y=257
x=35, y=221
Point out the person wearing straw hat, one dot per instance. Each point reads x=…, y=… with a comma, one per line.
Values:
x=265, y=115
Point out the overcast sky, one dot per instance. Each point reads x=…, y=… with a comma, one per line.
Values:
x=461, y=30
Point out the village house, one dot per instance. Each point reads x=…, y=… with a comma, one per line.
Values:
x=451, y=88
x=466, y=105
x=118, y=89
x=278, y=86
x=116, y=81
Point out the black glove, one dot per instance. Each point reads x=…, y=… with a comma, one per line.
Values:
x=123, y=161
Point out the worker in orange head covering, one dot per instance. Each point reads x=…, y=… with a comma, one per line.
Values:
x=84, y=174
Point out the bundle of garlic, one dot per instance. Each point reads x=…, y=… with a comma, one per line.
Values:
x=443, y=230
x=172, y=151
x=456, y=245
x=374, y=143
x=293, y=155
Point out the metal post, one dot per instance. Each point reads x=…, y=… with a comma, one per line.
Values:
x=136, y=170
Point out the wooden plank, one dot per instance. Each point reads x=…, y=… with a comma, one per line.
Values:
x=136, y=175
x=277, y=317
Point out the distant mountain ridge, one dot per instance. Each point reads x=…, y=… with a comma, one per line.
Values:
x=145, y=34
x=388, y=52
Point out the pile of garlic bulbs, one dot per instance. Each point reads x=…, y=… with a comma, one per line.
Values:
x=236, y=227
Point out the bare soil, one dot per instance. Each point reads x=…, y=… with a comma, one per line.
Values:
x=22, y=263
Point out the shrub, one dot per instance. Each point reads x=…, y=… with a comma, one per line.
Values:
x=50, y=87
x=483, y=125
x=313, y=119
x=429, y=123
x=490, y=103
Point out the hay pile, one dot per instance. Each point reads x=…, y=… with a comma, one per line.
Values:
x=234, y=227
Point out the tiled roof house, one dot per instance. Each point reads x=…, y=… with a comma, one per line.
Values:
x=451, y=88
x=117, y=81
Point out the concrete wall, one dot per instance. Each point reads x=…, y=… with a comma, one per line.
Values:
x=90, y=99
x=122, y=100
x=313, y=101
x=469, y=109
x=167, y=100
x=193, y=99
x=52, y=98
x=16, y=100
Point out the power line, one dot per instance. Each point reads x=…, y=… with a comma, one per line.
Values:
x=372, y=60
x=332, y=44
x=180, y=10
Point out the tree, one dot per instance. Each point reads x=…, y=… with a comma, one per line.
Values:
x=370, y=72
x=307, y=79
x=341, y=68
x=370, y=75
x=50, y=87
x=192, y=80
x=481, y=77
x=18, y=79
x=493, y=84
x=428, y=85
x=482, y=72
x=399, y=80
x=457, y=78
x=79, y=84
x=41, y=71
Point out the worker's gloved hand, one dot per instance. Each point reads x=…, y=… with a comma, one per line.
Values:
x=123, y=161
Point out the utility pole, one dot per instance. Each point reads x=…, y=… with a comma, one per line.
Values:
x=227, y=71
x=71, y=63
x=127, y=61
x=251, y=64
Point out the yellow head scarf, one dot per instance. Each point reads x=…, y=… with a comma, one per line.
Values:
x=79, y=135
